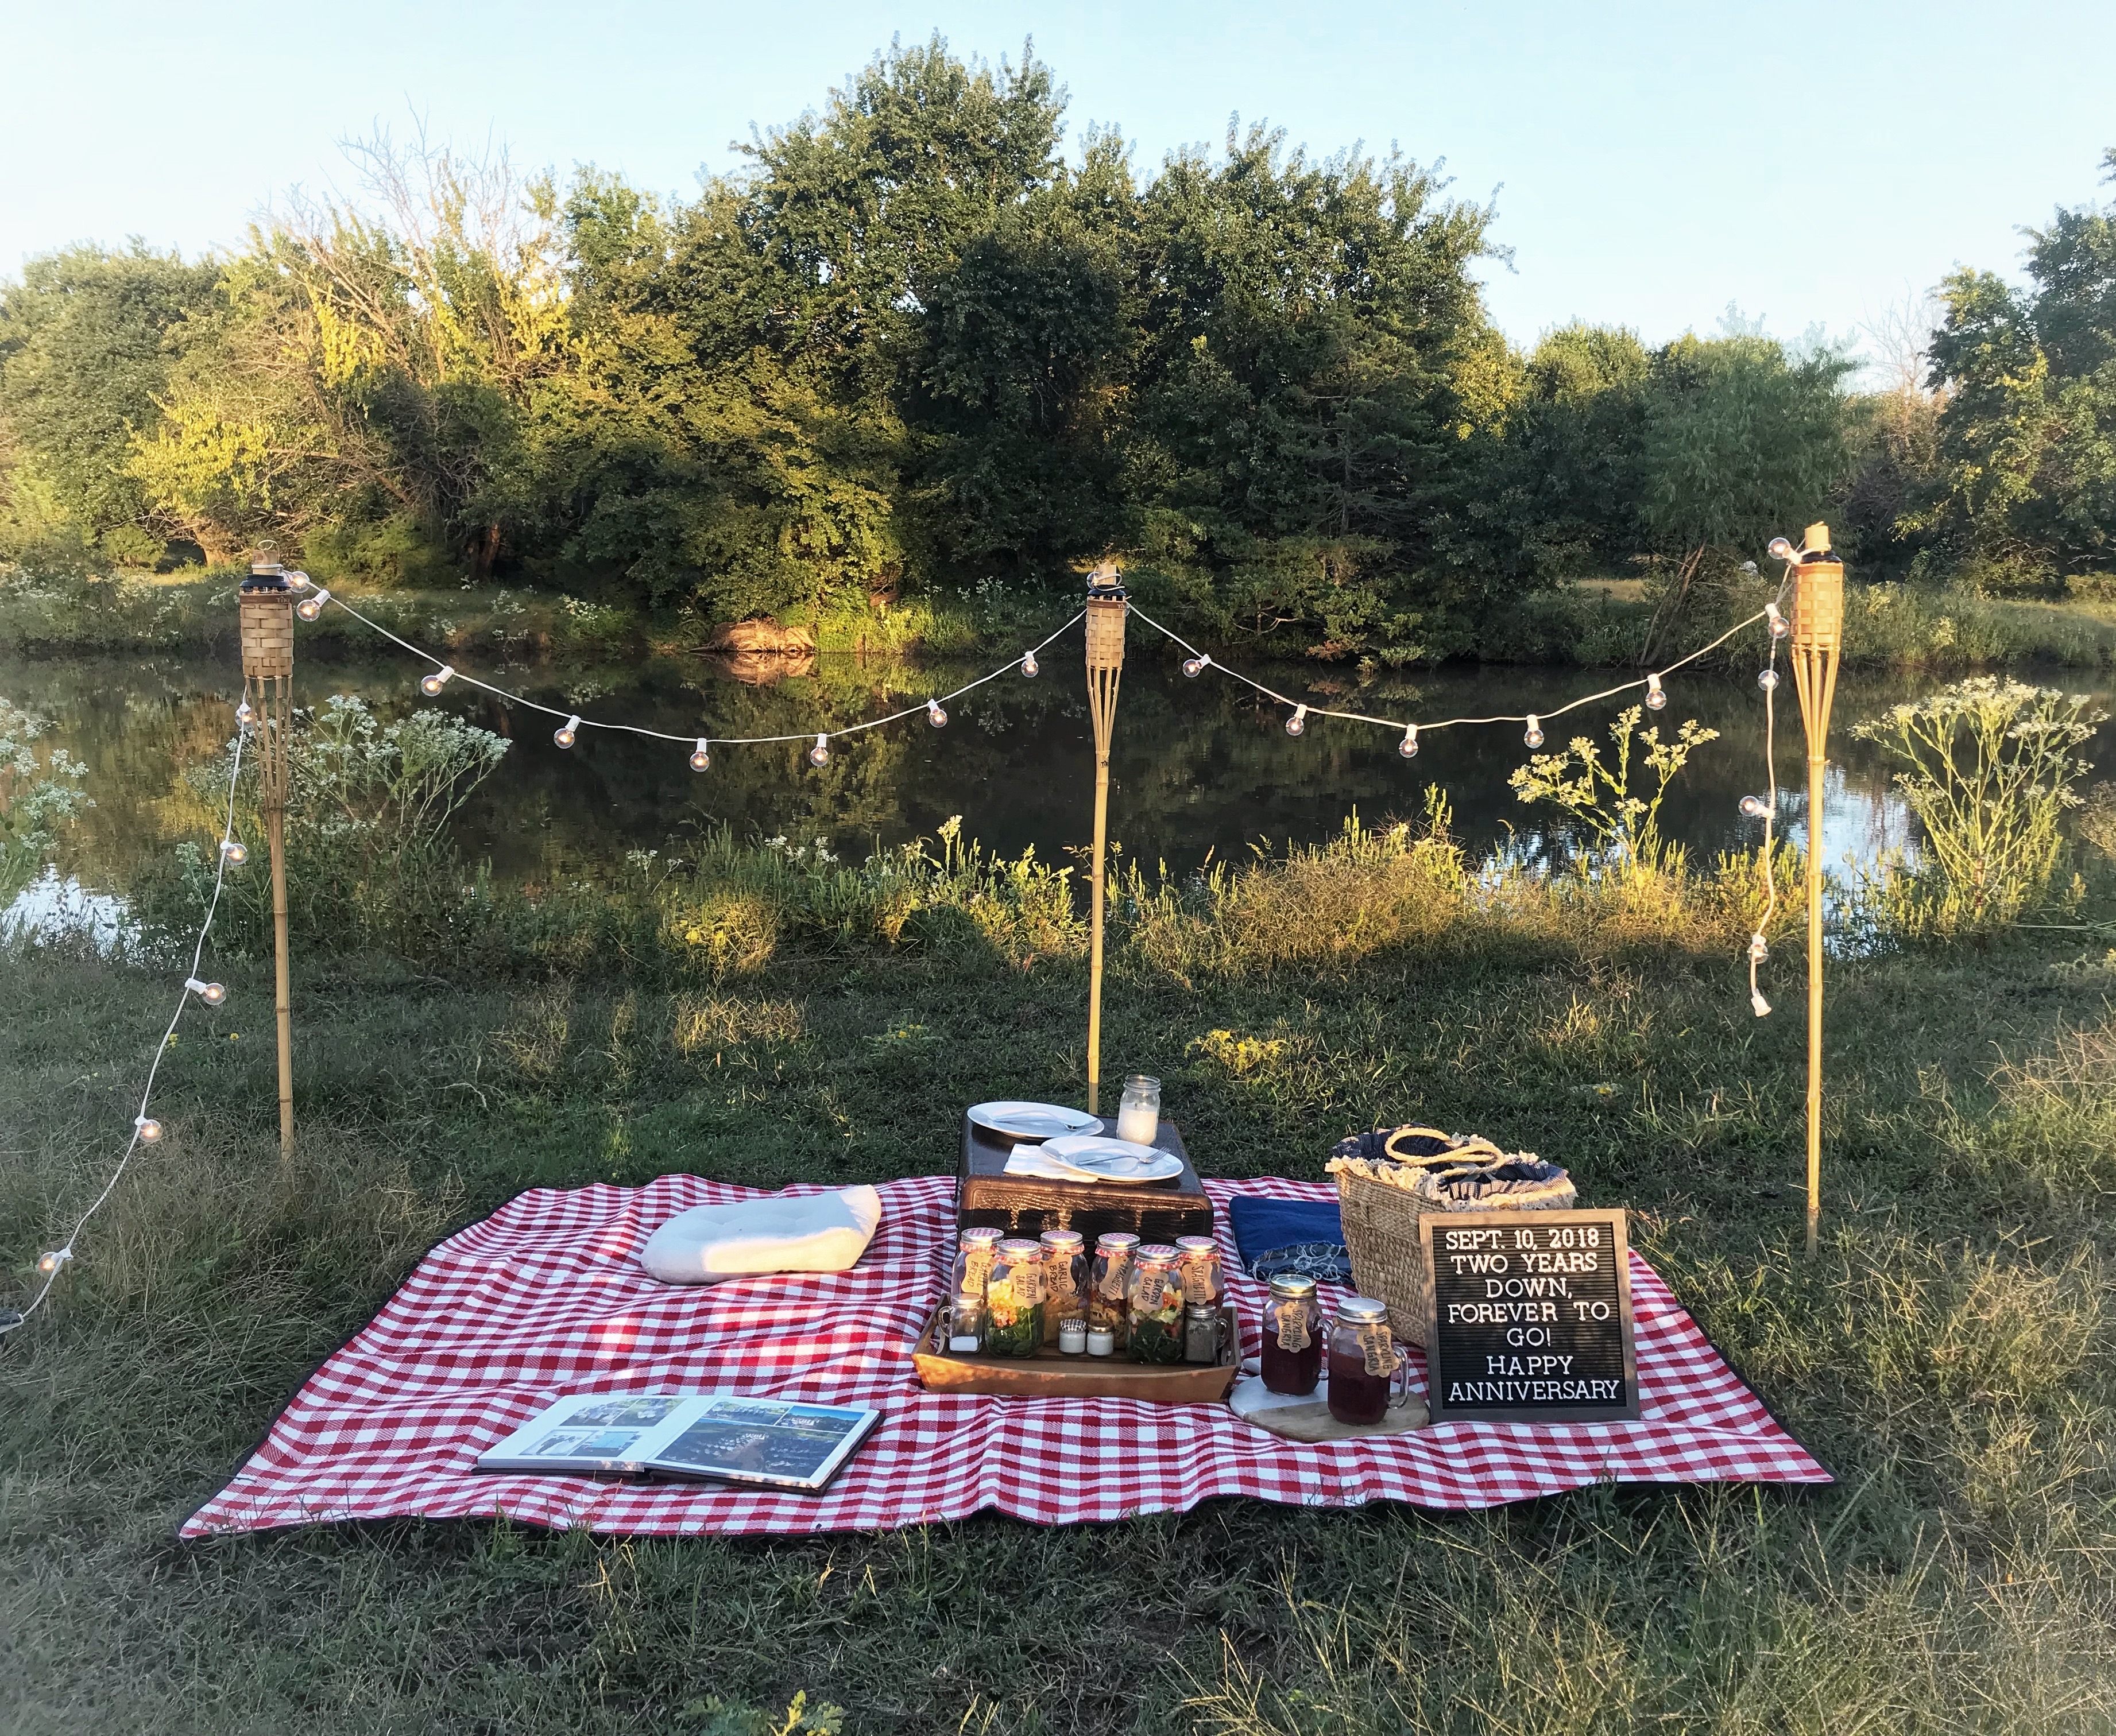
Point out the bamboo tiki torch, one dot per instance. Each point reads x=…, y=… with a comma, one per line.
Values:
x=1107, y=609
x=267, y=608
x=1818, y=636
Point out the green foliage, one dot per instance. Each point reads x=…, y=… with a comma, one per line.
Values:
x=38, y=794
x=2027, y=438
x=1596, y=790
x=1988, y=767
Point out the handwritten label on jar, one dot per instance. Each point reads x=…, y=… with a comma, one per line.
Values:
x=1292, y=1325
x=1028, y=1284
x=977, y=1266
x=1062, y=1290
x=1380, y=1348
x=1198, y=1284
x=1114, y=1276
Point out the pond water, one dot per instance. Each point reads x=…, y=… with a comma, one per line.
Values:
x=1200, y=768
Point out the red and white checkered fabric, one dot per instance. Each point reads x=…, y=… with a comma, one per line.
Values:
x=546, y=1298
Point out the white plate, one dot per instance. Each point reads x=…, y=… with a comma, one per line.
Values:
x=1115, y=1159
x=1034, y=1120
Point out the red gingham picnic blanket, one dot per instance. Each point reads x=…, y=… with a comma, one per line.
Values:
x=545, y=1298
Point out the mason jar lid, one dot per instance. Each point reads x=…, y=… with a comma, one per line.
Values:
x=1363, y=1310
x=1016, y=1249
x=1158, y=1250
x=1200, y=1310
x=1066, y=1240
x=1196, y=1245
x=1292, y=1285
x=982, y=1233
x=1116, y=1242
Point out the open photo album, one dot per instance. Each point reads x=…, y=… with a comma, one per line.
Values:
x=725, y=1437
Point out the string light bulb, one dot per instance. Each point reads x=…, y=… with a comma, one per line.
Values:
x=297, y=581
x=1767, y=680
x=567, y=732
x=1656, y=695
x=1759, y=950
x=244, y=716
x=1297, y=725
x=51, y=1262
x=1780, y=627
x=1781, y=549
x=1194, y=667
x=438, y=679
x=309, y=607
x=1533, y=735
x=1754, y=807
x=1408, y=746
x=147, y=1128
x=233, y=853
x=213, y=994
x=701, y=756
x=935, y=716
x=820, y=754
x=1029, y=665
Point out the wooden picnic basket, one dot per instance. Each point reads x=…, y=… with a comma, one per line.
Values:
x=1387, y=1182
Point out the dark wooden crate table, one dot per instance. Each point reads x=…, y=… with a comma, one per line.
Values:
x=1027, y=1205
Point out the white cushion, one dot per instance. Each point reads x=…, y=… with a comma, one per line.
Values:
x=782, y=1232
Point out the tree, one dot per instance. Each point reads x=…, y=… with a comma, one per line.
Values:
x=86, y=348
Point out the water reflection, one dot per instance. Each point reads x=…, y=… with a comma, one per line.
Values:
x=1201, y=767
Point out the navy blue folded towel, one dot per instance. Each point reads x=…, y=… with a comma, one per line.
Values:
x=1276, y=1236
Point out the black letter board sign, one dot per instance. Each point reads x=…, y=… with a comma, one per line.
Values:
x=1531, y=1317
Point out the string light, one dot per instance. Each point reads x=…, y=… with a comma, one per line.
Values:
x=1533, y=735
x=701, y=756
x=567, y=732
x=1029, y=665
x=1767, y=680
x=1408, y=746
x=935, y=716
x=1754, y=807
x=1781, y=549
x=438, y=679
x=1759, y=949
x=295, y=581
x=146, y=1130
x=310, y=607
x=820, y=754
x=1194, y=667
x=1656, y=694
x=243, y=714
x=1780, y=627
x=1297, y=724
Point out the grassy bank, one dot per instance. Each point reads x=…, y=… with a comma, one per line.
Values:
x=1947, y=1355
x=1897, y=626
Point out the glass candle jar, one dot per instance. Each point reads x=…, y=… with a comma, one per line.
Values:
x=1291, y=1359
x=1366, y=1372
x=1064, y=1280
x=1200, y=1267
x=1013, y=1299
x=1156, y=1318
x=1139, y=1112
x=1109, y=1286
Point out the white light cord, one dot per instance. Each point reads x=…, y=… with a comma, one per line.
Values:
x=700, y=742
x=1757, y=952
x=64, y=1252
x=1408, y=724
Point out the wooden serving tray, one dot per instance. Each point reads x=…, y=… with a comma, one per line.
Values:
x=1051, y=1375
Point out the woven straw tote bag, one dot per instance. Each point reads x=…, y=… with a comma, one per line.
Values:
x=1417, y=1170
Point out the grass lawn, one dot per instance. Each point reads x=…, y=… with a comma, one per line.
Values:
x=1948, y=1354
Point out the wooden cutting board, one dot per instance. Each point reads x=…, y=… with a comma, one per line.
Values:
x=1308, y=1418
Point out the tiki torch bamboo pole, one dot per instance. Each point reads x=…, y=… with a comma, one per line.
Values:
x=1107, y=609
x=1818, y=638
x=267, y=611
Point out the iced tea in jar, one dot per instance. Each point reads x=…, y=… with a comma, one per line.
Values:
x=1366, y=1369
x=1291, y=1359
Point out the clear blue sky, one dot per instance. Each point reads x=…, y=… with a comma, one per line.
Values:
x=1653, y=162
